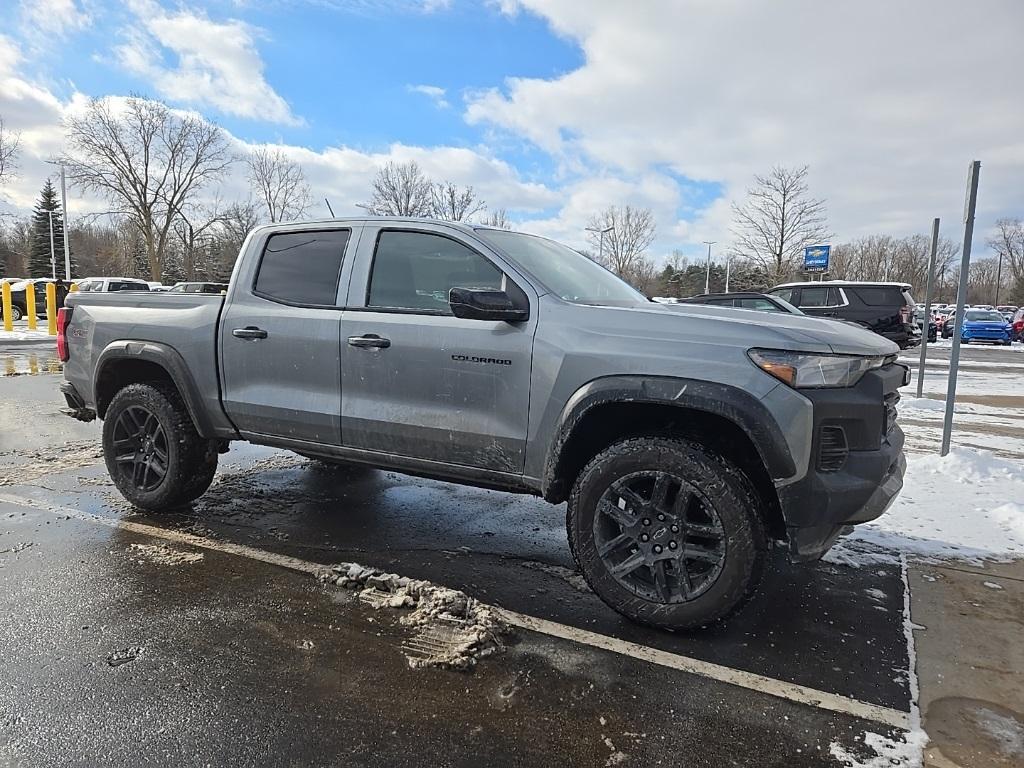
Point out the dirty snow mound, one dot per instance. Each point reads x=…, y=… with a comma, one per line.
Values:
x=161, y=554
x=453, y=630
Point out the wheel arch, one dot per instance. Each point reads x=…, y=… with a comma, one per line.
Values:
x=726, y=419
x=130, y=362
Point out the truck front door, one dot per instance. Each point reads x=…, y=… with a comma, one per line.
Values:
x=418, y=381
x=280, y=364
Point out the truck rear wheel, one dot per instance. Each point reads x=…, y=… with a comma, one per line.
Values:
x=152, y=450
x=666, y=532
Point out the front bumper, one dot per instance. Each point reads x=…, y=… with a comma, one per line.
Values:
x=971, y=334
x=818, y=507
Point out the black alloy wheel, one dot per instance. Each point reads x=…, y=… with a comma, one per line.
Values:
x=660, y=537
x=140, y=448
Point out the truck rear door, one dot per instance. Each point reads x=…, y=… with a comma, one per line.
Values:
x=418, y=381
x=280, y=330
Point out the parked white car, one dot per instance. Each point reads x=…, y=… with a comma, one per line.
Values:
x=105, y=284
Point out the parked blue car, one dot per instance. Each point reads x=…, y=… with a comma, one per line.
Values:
x=985, y=325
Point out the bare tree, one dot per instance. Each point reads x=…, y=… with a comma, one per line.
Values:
x=777, y=221
x=883, y=257
x=452, y=203
x=278, y=183
x=194, y=229
x=400, y=190
x=627, y=233
x=233, y=226
x=1008, y=242
x=148, y=161
x=498, y=218
x=8, y=152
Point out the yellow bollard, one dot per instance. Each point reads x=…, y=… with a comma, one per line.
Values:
x=51, y=309
x=73, y=288
x=30, y=305
x=5, y=307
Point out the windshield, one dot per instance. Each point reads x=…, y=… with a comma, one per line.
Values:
x=984, y=314
x=563, y=271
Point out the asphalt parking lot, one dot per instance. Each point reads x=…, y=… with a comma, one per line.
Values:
x=205, y=636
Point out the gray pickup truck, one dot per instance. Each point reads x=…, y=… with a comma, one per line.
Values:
x=685, y=438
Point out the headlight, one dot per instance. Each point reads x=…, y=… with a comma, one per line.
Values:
x=803, y=370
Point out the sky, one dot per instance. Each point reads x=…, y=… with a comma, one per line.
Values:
x=555, y=109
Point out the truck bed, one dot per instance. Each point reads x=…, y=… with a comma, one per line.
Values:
x=185, y=322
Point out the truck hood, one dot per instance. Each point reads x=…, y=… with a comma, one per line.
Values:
x=772, y=330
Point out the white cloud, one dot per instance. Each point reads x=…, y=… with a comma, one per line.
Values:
x=214, y=63
x=342, y=174
x=34, y=113
x=435, y=93
x=887, y=103
x=45, y=19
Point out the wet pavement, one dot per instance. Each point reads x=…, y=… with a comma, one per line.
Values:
x=123, y=647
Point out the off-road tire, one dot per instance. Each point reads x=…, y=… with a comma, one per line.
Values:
x=191, y=460
x=719, y=482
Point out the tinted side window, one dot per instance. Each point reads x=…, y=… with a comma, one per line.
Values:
x=814, y=297
x=786, y=294
x=879, y=296
x=761, y=304
x=301, y=267
x=415, y=270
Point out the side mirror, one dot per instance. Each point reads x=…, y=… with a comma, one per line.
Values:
x=486, y=304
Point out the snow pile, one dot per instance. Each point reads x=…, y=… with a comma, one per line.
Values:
x=888, y=752
x=921, y=404
x=968, y=505
x=453, y=629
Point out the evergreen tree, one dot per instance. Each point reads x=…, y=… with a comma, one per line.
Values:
x=39, y=264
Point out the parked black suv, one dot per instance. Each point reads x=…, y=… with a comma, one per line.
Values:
x=885, y=308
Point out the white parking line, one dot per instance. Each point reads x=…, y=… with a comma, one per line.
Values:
x=748, y=680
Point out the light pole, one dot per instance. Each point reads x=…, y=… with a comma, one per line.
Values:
x=64, y=211
x=728, y=268
x=999, y=277
x=707, y=272
x=600, y=245
x=53, y=253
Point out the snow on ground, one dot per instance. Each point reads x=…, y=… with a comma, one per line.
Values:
x=968, y=505
x=23, y=334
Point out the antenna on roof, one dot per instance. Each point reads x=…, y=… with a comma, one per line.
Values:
x=329, y=208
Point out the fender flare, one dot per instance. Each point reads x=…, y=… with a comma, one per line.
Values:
x=732, y=403
x=167, y=358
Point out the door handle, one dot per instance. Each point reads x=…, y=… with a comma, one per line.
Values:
x=370, y=340
x=249, y=332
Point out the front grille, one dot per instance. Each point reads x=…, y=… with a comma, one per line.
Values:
x=832, y=449
x=890, y=411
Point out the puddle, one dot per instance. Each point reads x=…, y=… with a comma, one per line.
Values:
x=29, y=363
x=976, y=732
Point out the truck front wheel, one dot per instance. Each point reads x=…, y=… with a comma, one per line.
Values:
x=666, y=532
x=152, y=450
